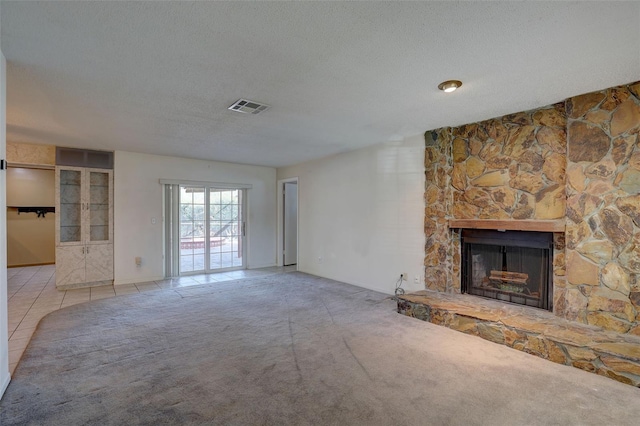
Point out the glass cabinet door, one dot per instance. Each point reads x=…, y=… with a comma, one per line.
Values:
x=98, y=206
x=70, y=206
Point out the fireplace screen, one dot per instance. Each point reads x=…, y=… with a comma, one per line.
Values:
x=513, y=266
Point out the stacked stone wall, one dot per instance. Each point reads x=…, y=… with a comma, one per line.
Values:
x=603, y=209
x=438, y=258
x=511, y=167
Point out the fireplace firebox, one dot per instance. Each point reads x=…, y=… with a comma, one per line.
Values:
x=512, y=266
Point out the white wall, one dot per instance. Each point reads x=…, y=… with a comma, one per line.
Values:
x=31, y=240
x=138, y=199
x=5, y=377
x=361, y=215
x=27, y=187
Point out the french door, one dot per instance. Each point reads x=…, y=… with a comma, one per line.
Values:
x=212, y=229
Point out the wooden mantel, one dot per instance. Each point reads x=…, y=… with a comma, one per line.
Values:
x=510, y=225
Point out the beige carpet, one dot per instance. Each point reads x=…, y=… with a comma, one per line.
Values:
x=288, y=349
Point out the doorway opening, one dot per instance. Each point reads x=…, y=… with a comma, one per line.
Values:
x=30, y=215
x=288, y=195
x=290, y=223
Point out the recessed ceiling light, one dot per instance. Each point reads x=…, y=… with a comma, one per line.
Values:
x=449, y=85
x=248, y=107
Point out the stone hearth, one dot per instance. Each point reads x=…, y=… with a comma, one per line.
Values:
x=534, y=331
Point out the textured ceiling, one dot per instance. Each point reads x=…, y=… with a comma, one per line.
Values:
x=157, y=77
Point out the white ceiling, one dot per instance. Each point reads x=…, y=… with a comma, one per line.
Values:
x=158, y=77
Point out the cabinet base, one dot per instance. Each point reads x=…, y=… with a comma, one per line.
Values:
x=83, y=285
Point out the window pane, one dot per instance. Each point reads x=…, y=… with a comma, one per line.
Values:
x=227, y=261
x=226, y=197
x=214, y=261
x=186, y=230
x=186, y=212
x=214, y=197
x=198, y=196
x=198, y=212
x=226, y=213
x=186, y=263
x=198, y=229
x=198, y=262
x=186, y=196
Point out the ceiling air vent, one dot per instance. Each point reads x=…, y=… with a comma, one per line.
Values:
x=248, y=107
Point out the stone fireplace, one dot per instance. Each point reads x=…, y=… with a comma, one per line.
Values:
x=572, y=170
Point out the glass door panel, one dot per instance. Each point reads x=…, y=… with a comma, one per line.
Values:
x=192, y=229
x=225, y=228
x=70, y=206
x=98, y=206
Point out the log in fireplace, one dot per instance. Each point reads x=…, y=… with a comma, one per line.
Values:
x=512, y=266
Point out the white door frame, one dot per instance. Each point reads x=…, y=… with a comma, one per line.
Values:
x=280, y=239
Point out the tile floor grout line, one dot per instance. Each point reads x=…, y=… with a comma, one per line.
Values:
x=26, y=313
x=26, y=283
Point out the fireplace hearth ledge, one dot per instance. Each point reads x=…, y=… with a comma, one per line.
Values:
x=531, y=330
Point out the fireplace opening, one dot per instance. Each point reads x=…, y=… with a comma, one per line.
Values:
x=512, y=266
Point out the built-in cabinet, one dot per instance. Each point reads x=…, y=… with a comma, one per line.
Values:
x=84, y=227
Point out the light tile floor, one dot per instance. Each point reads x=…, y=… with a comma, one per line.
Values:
x=32, y=294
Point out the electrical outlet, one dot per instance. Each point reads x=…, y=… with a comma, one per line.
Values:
x=320, y=259
x=416, y=280
x=405, y=276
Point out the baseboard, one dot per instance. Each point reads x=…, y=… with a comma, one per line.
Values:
x=63, y=287
x=266, y=265
x=137, y=280
x=30, y=264
x=5, y=384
